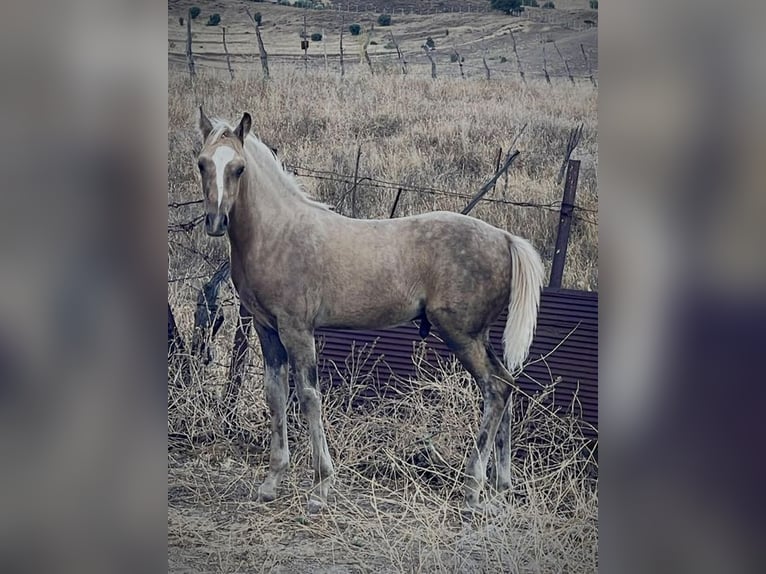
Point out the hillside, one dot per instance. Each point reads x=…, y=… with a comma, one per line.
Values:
x=474, y=35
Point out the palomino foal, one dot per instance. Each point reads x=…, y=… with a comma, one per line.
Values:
x=297, y=266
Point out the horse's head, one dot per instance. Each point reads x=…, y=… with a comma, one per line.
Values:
x=221, y=165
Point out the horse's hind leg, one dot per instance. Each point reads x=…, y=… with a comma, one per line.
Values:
x=300, y=349
x=275, y=385
x=473, y=355
x=503, y=437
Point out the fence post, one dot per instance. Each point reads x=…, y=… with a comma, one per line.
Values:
x=226, y=50
x=396, y=202
x=189, y=57
x=518, y=60
x=545, y=66
x=356, y=181
x=342, y=25
x=402, y=61
x=565, y=222
x=490, y=184
x=433, y=64
x=305, y=43
x=261, y=49
x=178, y=359
x=566, y=64
x=587, y=63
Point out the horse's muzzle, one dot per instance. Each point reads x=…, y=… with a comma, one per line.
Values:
x=216, y=224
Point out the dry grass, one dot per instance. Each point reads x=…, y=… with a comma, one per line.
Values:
x=399, y=457
x=397, y=502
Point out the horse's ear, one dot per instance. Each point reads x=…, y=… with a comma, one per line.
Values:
x=205, y=127
x=244, y=127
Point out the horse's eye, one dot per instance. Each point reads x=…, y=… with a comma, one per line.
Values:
x=239, y=171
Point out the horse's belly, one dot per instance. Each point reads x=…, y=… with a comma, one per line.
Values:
x=377, y=315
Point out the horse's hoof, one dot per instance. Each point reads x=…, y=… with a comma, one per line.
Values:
x=315, y=506
x=266, y=494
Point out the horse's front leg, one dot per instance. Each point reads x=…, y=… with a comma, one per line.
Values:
x=302, y=353
x=275, y=386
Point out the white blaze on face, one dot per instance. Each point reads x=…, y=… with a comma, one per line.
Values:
x=222, y=156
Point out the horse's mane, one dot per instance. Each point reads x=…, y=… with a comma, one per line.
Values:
x=261, y=149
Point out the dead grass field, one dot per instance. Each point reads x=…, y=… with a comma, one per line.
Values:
x=399, y=458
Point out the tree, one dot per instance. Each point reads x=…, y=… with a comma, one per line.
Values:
x=594, y=4
x=506, y=6
x=258, y=18
x=195, y=12
x=384, y=19
x=355, y=29
x=316, y=37
x=214, y=20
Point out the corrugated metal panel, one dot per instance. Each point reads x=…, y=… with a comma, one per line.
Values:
x=567, y=322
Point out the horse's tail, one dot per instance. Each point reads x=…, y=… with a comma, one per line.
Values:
x=526, y=283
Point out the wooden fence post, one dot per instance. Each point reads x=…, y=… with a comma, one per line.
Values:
x=490, y=184
x=261, y=49
x=459, y=61
x=396, y=202
x=342, y=25
x=208, y=317
x=402, y=61
x=433, y=64
x=565, y=222
x=516, y=53
x=356, y=181
x=545, y=66
x=189, y=56
x=226, y=50
x=178, y=359
x=587, y=63
x=305, y=45
x=566, y=64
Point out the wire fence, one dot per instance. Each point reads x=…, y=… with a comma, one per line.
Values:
x=371, y=182
x=208, y=49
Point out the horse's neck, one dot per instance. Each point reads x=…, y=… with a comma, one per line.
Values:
x=266, y=207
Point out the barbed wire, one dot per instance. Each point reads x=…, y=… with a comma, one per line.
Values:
x=335, y=177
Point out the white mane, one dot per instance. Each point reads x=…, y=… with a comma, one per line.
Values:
x=261, y=150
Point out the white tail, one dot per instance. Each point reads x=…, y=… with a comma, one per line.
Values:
x=526, y=282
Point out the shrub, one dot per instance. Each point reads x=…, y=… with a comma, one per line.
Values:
x=503, y=59
x=384, y=19
x=316, y=37
x=594, y=4
x=214, y=20
x=194, y=12
x=258, y=18
x=430, y=43
x=549, y=5
x=506, y=6
x=355, y=29
x=530, y=3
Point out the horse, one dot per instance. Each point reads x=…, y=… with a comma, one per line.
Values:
x=297, y=265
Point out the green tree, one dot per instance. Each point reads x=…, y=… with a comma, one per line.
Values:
x=594, y=4
x=316, y=37
x=355, y=29
x=214, y=20
x=258, y=18
x=195, y=12
x=384, y=19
